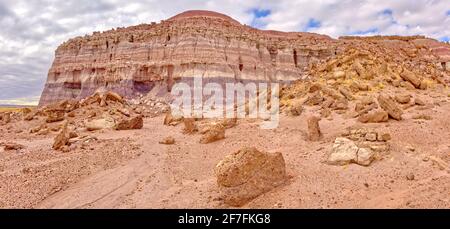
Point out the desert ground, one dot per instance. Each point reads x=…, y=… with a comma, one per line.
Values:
x=107, y=168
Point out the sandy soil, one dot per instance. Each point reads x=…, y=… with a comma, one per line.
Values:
x=129, y=169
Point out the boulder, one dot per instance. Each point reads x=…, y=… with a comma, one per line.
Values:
x=419, y=102
x=403, y=99
x=136, y=122
x=345, y=151
x=364, y=157
x=314, y=133
x=212, y=134
x=100, y=124
x=229, y=123
x=62, y=138
x=411, y=77
x=340, y=104
x=296, y=108
x=171, y=120
x=346, y=93
x=315, y=99
x=5, y=117
x=374, y=117
x=55, y=116
x=189, y=126
x=248, y=173
x=390, y=106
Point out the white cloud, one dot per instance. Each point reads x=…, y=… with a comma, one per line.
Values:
x=32, y=30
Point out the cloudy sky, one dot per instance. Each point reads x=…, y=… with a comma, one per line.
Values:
x=30, y=30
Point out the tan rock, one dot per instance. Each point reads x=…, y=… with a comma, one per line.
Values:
x=62, y=138
x=340, y=104
x=325, y=113
x=374, y=117
x=403, y=99
x=314, y=88
x=345, y=151
x=356, y=86
x=171, y=120
x=371, y=137
x=133, y=123
x=248, y=173
x=55, y=116
x=411, y=77
x=212, y=134
x=422, y=116
x=419, y=102
x=346, y=93
x=5, y=117
x=407, y=85
x=189, y=126
x=229, y=123
x=314, y=99
x=384, y=137
x=9, y=146
x=365, y=157
x=168, y=141
x=390, y=106
x=112, y=96
x=314, y=133
x=100, y=124
x=296, y=108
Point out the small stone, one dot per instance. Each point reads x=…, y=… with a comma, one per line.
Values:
x=364, y=157
x=410, y=176
x=384, y=137
x=371, y=137
x=189, y=126
x=168, y=141
x=419, y=102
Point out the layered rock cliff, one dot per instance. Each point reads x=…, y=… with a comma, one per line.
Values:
x=151, y=57
x=195, y=43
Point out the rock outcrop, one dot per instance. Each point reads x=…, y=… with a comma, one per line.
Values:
x=248, y=173
x=151, y=57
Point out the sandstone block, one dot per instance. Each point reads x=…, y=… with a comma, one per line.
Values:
x=248, y=173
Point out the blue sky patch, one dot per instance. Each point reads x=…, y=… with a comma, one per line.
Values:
x=313, y=23
x=363, y=32
x=387, y=12
x=445, y=39
x=260, y=13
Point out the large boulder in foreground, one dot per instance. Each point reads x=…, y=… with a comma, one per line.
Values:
x=248, y=173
